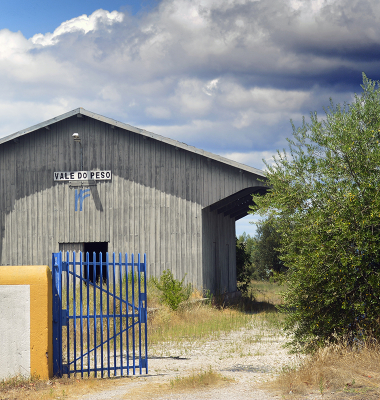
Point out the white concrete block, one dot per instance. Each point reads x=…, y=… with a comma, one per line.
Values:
x=14, y=330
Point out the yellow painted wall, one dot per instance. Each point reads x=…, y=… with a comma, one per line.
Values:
x=41, y=325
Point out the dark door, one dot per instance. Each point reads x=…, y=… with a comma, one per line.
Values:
x=97, y=248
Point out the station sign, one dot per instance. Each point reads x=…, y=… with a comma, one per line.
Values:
x=83, y=176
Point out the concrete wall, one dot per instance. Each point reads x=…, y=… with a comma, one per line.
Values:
x=26, y=345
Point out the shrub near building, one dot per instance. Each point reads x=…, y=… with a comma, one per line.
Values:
x=326, y=203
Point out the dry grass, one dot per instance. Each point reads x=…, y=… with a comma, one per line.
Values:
x=198, y=380
x=33, y=388
x=337, y=368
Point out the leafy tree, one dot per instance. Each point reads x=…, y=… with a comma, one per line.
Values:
x=243, y=272
x=265, y=255
x=325, y=200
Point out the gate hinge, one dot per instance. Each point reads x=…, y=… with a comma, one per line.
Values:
x=64, y=266
x=64, y=319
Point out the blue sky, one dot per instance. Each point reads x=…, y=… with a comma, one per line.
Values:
x=42, y=16
x=225, y=76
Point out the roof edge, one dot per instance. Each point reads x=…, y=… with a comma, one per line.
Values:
x=173, y=142
x=40, y=125
x=131, y=128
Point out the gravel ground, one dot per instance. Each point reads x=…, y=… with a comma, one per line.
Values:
x=247, y=357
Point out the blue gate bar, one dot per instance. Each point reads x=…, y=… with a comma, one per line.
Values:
x=101, y=318
x=145, y=317
x=88, y=313
x=121, y=313
x=94, y=291
x=114, y=313
x=108, y=320
x=81, y=313
x=139, y=300
x=67, y=267
x=133, y=313
x=74, y=313
x=127, y=312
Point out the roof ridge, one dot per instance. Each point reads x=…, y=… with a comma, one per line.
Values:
x=172, y=142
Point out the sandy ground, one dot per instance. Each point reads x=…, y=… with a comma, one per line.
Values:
x=247, y=357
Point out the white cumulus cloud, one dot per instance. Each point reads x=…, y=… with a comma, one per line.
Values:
x=82, y=23
x=225, y=76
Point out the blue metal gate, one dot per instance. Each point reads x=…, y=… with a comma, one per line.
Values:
x=99, y=315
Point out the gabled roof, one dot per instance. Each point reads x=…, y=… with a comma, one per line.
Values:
x=143, y=132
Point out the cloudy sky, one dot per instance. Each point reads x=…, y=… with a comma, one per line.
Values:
x=222, y=75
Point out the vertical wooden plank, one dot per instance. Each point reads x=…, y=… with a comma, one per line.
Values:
x=187, y=259
x=113, y=189
x=45, y=192
x=55, y=190
x=92, y=142
x=105, y=214
x=157, y=267
x=166, y=224
x=18, y=212
x=131, y=151
x=137, y=199
x=119, y=150
x=126, y=191
x=142, y=195
x=173, y=212
x=48, y=193
x=152, y=224
x=193, y=216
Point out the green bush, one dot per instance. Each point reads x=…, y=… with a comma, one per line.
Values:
x=173, y=291
x=325, y=200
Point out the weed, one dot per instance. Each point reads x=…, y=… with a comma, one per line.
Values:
x=173, y=291
x=209, y=296
x=321, y=385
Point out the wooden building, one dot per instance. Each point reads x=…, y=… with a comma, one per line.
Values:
x=121, y=189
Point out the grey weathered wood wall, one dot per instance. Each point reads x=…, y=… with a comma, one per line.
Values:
x=157, y=202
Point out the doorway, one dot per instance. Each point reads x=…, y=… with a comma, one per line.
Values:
x=97, y=248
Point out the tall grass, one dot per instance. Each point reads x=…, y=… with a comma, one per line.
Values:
x=341, y=367
x=195, y=322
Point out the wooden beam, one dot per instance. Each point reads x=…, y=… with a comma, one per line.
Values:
x=240, y=216
x=234, y=197
x=235, y=204
x=238, y=211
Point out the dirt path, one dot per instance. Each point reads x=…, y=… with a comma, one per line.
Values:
x=247, y=357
